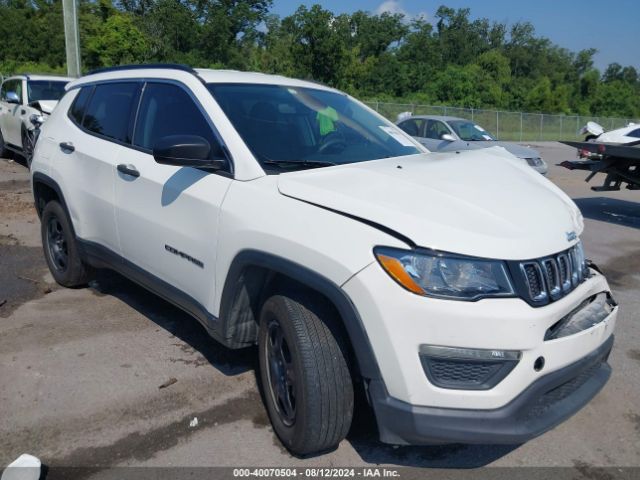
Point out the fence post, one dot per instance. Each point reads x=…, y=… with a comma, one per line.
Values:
x=577, y=125
x=541, y=125
x=377, y=106
x=472, y=114
x=444, y=111
x=520, y=126
x=497, y=125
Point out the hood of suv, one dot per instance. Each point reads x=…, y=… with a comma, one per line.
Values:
x=479, y=203
x=45, y=106
x=519, y=151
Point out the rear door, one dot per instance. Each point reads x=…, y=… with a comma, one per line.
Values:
x=168, y=216
x=100, y=122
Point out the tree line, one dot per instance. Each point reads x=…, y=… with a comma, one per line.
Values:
x=450, y=59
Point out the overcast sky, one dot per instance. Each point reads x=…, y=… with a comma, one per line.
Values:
x=612, y=27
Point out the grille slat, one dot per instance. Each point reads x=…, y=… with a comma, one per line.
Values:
x=553, y=277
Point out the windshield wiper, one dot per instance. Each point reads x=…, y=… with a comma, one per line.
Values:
x=299, y=163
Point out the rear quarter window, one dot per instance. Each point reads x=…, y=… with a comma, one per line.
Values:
x=76, y=111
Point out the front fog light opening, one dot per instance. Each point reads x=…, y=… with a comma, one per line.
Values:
x=467, y=368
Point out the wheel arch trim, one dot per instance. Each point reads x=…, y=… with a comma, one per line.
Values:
x=362, y=348
x=39, y=177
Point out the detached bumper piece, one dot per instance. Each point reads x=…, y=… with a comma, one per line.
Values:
x=588, y=314
x=543, y=405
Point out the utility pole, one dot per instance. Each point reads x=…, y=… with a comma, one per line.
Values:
x=71, y=37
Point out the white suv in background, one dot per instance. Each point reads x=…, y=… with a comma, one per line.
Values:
x=22, y=96
x=450, y=288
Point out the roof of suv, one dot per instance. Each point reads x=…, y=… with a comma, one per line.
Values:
x=205, y=75
x=235, y=76
x=28, y=76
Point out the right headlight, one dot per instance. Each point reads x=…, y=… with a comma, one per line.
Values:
x=534, y=161
x=445, y=276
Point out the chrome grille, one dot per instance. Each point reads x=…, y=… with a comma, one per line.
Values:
x=551, y=278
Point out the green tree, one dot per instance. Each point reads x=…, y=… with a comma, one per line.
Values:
x=118, y=41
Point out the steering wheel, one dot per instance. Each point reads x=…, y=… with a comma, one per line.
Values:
x=331, y=141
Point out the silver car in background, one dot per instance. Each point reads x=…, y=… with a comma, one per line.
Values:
x=444, y=134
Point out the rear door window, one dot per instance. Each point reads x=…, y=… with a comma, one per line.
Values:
x=413, y=127
x=109, y=112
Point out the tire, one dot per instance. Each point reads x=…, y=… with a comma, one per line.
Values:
x=60, y=247
x=28, y=145
x=4, y=151
x=311, y=406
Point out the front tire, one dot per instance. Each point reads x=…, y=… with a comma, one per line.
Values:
x=60, y=247
x=304, y=372
x=4, y=151
x=28, y=145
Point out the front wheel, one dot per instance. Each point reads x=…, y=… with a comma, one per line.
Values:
x=28, y=145
x=4, y=151
x=304, y=372
x=60, y=247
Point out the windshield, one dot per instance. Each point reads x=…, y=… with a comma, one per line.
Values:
x=45, y=90
x=469, y=131
x=293, y=127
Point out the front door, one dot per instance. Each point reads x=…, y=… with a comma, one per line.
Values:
x=168, y=216
x=12, y=113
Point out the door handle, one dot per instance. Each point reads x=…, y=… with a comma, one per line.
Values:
x=67, y=147
x=128, y=170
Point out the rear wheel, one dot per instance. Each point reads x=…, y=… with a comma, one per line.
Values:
x=304, y=372
x=60, y=248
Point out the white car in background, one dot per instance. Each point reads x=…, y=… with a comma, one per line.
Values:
x=624, y=135
x=21, y=97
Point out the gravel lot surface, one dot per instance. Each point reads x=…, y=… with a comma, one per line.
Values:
x=80, y=369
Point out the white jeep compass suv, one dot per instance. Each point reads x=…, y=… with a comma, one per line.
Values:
x=451, y=288
x=22, y=96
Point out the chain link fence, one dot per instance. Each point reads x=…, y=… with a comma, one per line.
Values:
x=512, y=126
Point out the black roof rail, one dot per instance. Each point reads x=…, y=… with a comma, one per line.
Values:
x=172, y=66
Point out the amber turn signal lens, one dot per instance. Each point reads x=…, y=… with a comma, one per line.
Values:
x=394, y=268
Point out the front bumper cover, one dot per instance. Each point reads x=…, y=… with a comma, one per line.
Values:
x=544, y=404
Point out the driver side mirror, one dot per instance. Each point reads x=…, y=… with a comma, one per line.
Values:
x=186, y=151
x=12, y=97
x=447, y=137
x=36, y=120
